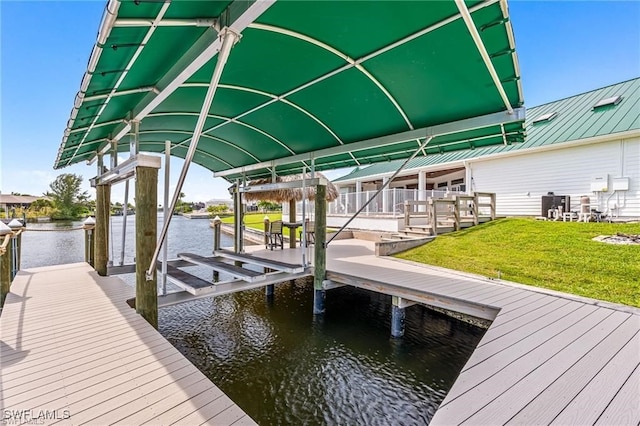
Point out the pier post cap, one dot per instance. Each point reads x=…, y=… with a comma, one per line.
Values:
x=89, y=223
x=4, y=229
x=15, y=224
x=217, y=219
x=266, y=218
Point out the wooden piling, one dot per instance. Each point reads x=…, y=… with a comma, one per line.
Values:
x=237, y=220
x=101, y=232
x=5, y=268
x=146, y=237
x=292, y=219
x=19, y=250
x=319, y=248
x=266, y=231
x=217, y=229
x=89, y=246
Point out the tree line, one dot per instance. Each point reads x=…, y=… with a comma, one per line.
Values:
x=66, y=200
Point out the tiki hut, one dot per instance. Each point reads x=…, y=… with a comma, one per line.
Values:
x=289, y=194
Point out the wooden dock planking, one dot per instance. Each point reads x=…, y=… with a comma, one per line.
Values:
x=625, y=406
x=544, y=359
x=528, y=323
x=607, y=381
x=233, y=270
x=187, y=281
x=545, y=352
x=292, y=268
x=473, y=375
x=70, y=342
x=514, y=386
x=521, y=344
x=548, y=405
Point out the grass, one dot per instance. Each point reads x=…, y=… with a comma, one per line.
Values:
x=555, y=255
x=256, y=221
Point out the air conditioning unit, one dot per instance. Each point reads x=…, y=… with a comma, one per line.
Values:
x=554, y=201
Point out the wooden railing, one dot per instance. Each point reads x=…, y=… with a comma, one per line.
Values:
x=456, y=211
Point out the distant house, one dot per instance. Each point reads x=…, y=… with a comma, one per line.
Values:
x=9, y=201
x=584, y=145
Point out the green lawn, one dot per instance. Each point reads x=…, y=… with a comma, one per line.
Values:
x=256, y=221
x=555, y=255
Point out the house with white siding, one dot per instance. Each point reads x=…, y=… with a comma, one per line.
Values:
x=584, y=145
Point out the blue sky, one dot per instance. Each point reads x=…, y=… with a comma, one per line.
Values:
x=564, y=48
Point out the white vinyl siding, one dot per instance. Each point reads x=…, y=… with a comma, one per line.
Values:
x=520, y=181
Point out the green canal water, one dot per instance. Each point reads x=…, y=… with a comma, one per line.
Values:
x=282, y=365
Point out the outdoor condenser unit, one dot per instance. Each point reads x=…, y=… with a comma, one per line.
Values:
x=554, y=201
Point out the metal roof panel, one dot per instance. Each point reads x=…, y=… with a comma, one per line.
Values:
x=576, y=120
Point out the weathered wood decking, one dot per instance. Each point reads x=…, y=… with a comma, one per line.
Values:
x=547, y=358
x=73, y=350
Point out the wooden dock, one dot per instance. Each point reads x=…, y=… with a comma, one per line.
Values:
x=72, y=349
x=548, y=357
x=73, y=352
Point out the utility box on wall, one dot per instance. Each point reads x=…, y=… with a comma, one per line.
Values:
x=620, y=184
x=600, y=183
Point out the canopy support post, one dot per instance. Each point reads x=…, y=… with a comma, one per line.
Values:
x=292, y=219
x=230, y=38
x=103, y=201
x=124, y=220
x=166, y=213
x=134, y=144
x=303, y=238
x=384, y=185
x=319, y=249
x=146, y=232
x=237, y=221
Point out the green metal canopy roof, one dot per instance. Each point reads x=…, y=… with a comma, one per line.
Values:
x=336, y=83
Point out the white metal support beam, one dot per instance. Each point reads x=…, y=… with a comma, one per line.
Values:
x=466, y=16
x=229, y=38
x=134, y=138
x=283, y=185
x=166, y=212
x=124, y=170
x=437, y=130
x=240, y=13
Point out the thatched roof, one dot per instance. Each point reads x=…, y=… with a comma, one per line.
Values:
x=284, y=195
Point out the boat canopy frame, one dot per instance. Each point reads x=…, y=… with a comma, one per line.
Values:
x=350, y=92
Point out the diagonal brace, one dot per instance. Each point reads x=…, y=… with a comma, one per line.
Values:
x=364, y=206
x=230, y=38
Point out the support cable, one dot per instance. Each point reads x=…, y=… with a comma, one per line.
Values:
x=364, y=206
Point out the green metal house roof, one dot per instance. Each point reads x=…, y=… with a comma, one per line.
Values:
x=575, y=119
x=306, y=79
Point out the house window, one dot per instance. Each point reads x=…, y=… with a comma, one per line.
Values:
x=457, y=181
x=443, y=185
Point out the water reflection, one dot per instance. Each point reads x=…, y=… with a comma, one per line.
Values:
x=277, y=361
x=288, y=368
